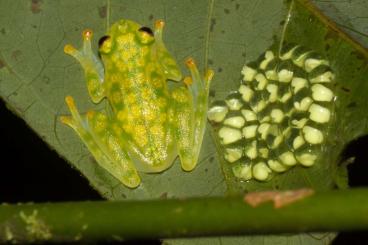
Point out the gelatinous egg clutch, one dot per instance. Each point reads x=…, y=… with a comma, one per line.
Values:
x=280, y=115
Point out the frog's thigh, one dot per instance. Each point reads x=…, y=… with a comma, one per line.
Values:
x=184, y=121
x=190, y=121
x=98, y=135
x=191, y=114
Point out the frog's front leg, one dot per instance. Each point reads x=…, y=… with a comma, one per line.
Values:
x=102, y=138
x=93, y=68
x=190, y=104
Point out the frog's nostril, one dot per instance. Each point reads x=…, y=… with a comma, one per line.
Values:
x=146, y=30
x=102, y=40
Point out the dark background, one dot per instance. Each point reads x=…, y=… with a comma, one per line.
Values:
x=31, y=172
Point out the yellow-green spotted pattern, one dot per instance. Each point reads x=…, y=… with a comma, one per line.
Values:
x=150, y=125
x=279, y=116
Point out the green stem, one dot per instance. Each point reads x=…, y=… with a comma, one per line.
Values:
x=328, y=211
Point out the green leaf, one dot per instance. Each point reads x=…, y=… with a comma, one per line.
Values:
x=35, y=74
x=305, y=25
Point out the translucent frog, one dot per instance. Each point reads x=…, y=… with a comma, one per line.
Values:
x=149, y=125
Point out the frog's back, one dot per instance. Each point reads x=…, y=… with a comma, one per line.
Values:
x=144, y=116
x=137, y=91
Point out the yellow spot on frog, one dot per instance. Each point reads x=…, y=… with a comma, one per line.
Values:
x=129, y=54
x=112, y=143
x=179, y=96
x=150, y=115
x=147, y=94
x=157, y=130
x=114, y=57
x=127, y=84
x=139, y=79
x=93, y=84
x=122, y=115
x=140, y=62
x=127, y=127
x=135, y=110
x=101, y=122
x=124, y=40
x=130, y=98
x=120, y=40
x=120, y=65
x=140, y=135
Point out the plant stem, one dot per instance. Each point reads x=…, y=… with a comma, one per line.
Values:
x=107, y=220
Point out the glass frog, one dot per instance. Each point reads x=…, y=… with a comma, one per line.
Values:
x=149, y=125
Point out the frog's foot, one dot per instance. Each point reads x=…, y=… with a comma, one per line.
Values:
x=191, y=108
x=93, y=68
x=167, y=63
x=101, y=138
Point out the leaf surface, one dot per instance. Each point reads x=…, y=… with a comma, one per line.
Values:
x=305, y=25
x=35, y=74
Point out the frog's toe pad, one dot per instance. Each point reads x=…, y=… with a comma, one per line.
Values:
x=66, y=120
x=131, y=181
x=188, y=164
x=70, y=49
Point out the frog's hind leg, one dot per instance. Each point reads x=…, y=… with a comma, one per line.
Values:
x=93, y=68
x=191, y=114
x=102, y=140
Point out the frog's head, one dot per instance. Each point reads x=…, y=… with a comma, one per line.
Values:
x=128, y=39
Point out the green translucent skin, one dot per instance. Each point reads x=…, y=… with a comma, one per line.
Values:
x=150, y=125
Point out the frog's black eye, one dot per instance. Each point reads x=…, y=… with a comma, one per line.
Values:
x=102, y=40
x=146, y=30
x=105, y=44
